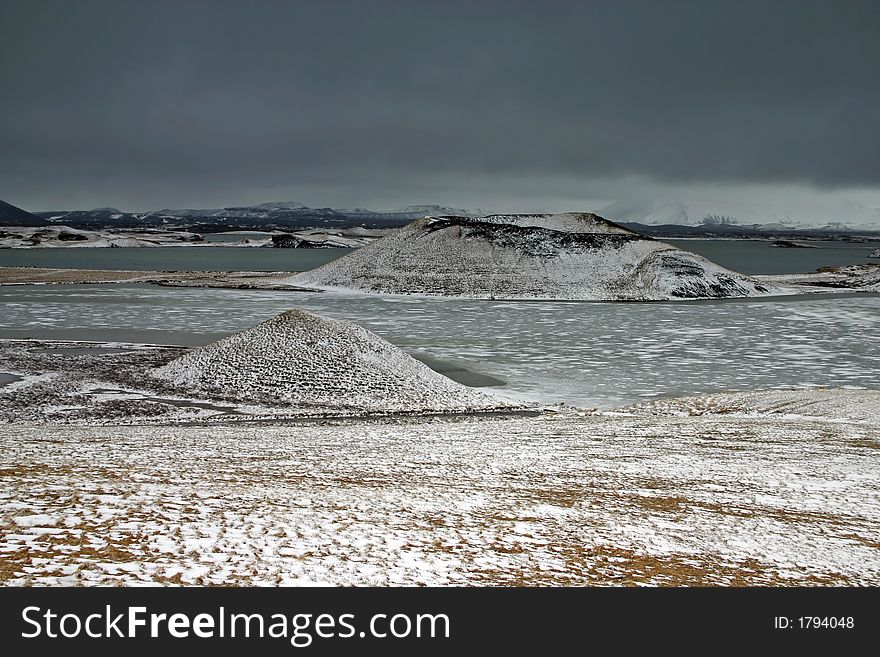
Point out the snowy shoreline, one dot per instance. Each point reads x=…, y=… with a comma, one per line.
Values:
x=64, y=237
x=851, y=278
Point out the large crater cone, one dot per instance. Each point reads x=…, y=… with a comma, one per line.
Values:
x=578, y=256
x=319, y=365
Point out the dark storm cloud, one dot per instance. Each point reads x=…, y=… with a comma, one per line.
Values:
x=155, y=102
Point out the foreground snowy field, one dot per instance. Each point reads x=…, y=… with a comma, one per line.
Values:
x=597, y=499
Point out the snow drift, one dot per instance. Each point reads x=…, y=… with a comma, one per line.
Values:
x=562, y=256
x=849, y=404
x=319, y=365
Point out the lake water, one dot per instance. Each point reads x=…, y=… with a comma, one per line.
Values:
x=175, y=258
x=759, y=257
x=747, y=256
x=6, y=378
x=587, y=354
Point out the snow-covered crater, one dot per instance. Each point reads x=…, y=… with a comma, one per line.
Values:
x=577, y=256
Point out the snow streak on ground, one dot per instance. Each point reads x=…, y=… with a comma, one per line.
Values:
x=543, y=501
x=828, y=403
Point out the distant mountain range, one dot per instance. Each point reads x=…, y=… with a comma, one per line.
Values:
x=835, y=215
x=656, y=218
x=276, y=215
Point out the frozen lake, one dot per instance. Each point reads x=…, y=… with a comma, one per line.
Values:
x=586, y=354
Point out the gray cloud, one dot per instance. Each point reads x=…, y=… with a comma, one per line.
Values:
x=208, y=103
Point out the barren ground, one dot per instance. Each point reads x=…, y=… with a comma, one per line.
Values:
x=236, y=279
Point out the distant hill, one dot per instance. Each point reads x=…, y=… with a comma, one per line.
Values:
x=723, y=215
x=11, y=215
x=838, y=220
x=736, y=231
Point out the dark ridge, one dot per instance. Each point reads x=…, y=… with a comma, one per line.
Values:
x=11, y=215
x=594, y=218
x=288, y=241
x=531, y=240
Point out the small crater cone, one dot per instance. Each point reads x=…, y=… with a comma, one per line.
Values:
x=319, y=365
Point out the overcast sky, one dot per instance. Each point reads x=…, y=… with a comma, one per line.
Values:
x=503, y=105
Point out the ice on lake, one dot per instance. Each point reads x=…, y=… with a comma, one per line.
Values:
x=585, y=354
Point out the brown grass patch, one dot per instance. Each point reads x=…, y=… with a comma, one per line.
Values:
x=610, y=566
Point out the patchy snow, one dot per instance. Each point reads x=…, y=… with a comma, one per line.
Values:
x=564, y=500
x=857, y=278
x=35, y=520
x=568, y=256
x=323, y=239
x=53, y=237
x=59, y=236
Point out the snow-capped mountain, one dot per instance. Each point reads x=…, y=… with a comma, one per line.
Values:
x=813, y=213
x=263, y=211
x=722, y=216
x=272, y=215
x=411, y=212
x=282, y=205
x=564, y=256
